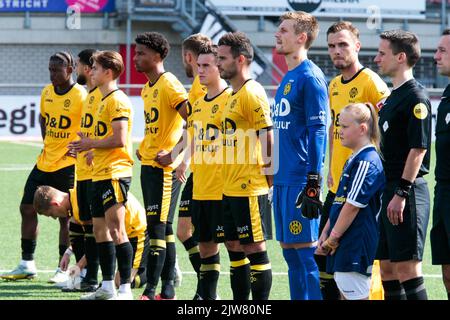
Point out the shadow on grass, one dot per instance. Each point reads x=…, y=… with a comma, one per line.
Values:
x=29, y=289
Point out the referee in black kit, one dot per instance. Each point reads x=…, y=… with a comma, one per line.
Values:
x=405, y=125
x=440, y=232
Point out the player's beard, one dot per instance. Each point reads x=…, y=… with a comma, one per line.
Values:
x=342, y=64
x=189, y=71
x=228, y=74
x=81, y=79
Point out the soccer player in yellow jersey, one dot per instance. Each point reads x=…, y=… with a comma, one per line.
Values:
x=247, y=138
x=82, y=238
x=53, y=203
x=356, y=83
x=165, y=107
x=111, y=175
x=206, y=152
x=191, y=47
x=60, y=118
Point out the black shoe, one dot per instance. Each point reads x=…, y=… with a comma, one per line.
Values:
x=197, y=297
x=88, y=287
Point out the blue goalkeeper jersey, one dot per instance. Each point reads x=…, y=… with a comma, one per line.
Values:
x=301, y=102
x=361, y=185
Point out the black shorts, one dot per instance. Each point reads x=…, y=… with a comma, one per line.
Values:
x=440, y=232
x=326, y=210
x=62, y=179
x=207, y=219
x=405, y=241
x=160, y=190
x=141, y=247
x=185, y=208
x=84, y=199
x=247, y=219
x=106, y=193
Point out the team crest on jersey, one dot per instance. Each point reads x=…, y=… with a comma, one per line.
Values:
x=91, y=99
x=155, y=94
x=353, y=92
x=420, y=111
x=295, y=227
x=215, y=108
x=233, y=104
x=66, y=104
x=287, y=89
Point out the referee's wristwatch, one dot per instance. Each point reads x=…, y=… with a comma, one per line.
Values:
x=404, y=188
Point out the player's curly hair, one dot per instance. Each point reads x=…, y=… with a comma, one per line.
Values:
x=155, y=41
x=239, y=44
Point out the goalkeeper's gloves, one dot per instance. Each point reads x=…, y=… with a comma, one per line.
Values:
x=308, y=199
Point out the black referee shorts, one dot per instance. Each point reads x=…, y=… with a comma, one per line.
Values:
x=185, y=208
x=440, y=232
x=405, y=241
x=62, y=179
x=160, y=190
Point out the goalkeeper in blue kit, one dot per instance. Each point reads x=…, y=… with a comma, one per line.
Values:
x=300, y=114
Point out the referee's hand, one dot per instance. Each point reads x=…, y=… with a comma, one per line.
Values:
x=395, y=210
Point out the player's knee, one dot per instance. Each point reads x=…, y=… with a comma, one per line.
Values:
x=254, y=247
x=407, y=270
x=208, y=249
x=184, y=229
x=446, y=275
x=234, y=246
x=387, y=271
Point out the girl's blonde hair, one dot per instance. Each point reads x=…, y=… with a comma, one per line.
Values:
x=365, y=113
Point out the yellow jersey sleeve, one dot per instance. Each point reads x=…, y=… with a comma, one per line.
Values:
x=256, y=108
x=62, y=114
x=377, y=91
x=116, y=162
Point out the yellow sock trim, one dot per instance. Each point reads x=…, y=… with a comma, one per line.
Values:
x=210, y=267
x=239, y=263
x=157, y=243
x=261, y=267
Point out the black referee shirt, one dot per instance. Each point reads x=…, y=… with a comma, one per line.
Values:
x=442, y=171
x=405, y=124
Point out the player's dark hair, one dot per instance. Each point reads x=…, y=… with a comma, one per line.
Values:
x=365, y=113
x=209, y=49
x=110, y=60
x=196, y=43
x=42, y=198
x=155, y=41
x=63, y=57
x=403, y=41
x=343, y=25
x=446, y=32
x=304, y=22
x=86, y=55
x=239, y=44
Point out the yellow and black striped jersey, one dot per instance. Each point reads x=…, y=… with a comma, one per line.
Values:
x=84, y=172
x=62, y=114
x=135, y=218
x=117, y=162
x=365, y=86
x=246, y=112
x=163, y=123
x=207, y=156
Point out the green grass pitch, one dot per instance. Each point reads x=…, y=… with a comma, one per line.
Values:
x=16, y=163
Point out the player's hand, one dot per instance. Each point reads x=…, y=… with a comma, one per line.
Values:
x=181, y=172
x=308, y=199
x=395, y=210
x=319, y=250
x=138, y=155
x=164, y=158
x=330, y=181
x=89, y=156
x=71, y=153
x=64, y=263
x=84, y=144
x=330, y=245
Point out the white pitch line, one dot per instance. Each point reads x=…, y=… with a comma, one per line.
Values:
x=227, y=273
